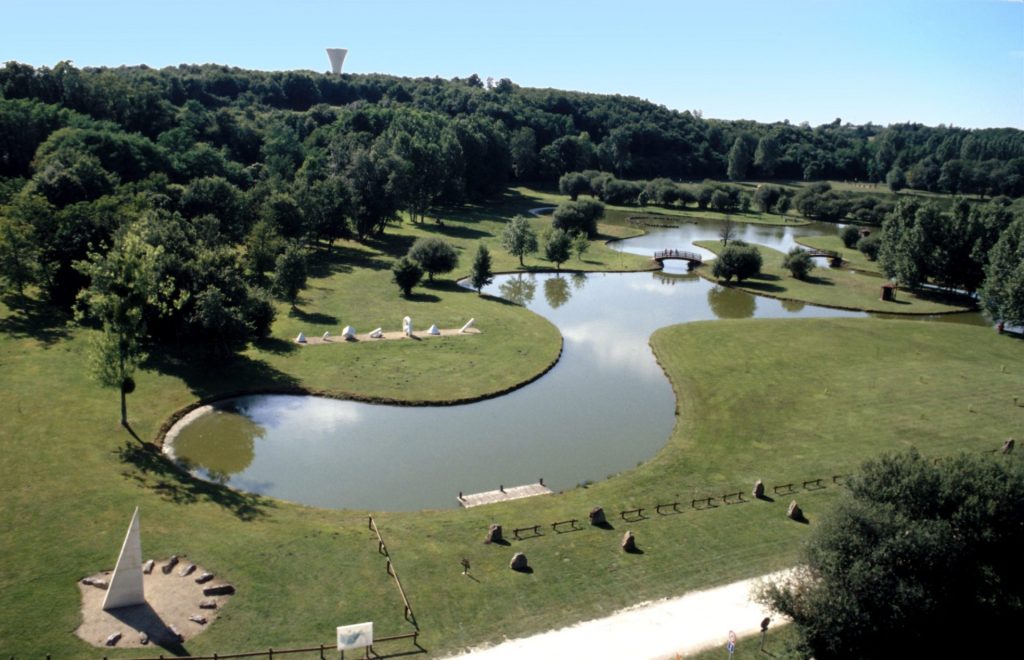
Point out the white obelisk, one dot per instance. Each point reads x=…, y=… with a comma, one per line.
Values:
x=126, y=584
x=337, y=56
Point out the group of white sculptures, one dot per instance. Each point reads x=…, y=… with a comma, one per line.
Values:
x=349, y=333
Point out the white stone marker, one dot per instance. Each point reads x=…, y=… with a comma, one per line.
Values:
x=469, y=324
x=126, y=583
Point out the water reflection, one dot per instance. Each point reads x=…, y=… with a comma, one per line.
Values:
x=556, y=291
x=519, y=288
x=579, y=280
x=793, y=305
x=729, y=303
x=222, y=442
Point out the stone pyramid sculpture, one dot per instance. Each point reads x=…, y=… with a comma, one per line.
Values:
x=126, y=583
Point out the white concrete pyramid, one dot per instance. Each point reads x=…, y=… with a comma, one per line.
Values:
x=126, y=584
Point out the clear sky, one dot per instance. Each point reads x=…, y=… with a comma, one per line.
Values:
x=958, y=62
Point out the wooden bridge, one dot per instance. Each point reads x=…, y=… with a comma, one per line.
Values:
x=835, y=258
x=691, y=258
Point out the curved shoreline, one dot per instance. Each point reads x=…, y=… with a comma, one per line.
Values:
x=169, y=430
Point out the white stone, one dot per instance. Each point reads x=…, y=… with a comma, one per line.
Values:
x=326, y=335
x=126, y=586
x=337, y=56
x=434, y=330
x=469, y=324
x=301, y=339
x=407, y=326
x=349, y=332
x=377, y=334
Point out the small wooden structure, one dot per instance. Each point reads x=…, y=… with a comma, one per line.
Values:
x=888, y=292
x=503, y=494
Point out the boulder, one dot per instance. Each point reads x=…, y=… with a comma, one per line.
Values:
x=113, y=639
x=758, y=491
x=169, y=566
x=99, y=583
x=147, y=568
x=1008, y=445
x=327, y=335
x=794, y=512
x=196, y=618
x=218, y=590
x=349, y=333
x=143, y=638
x=204, y=578
x=187, y=570
x=493, y=534
x=629, y=542
x=597, y=517
x=175, y=633
x=518, y=562
x=207, y=604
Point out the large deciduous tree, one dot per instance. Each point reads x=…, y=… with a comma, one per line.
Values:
x=518, y=238
x=1003, y=291
x=739, y=261
x=558, y=248
x=434, y=256
x=917, y=557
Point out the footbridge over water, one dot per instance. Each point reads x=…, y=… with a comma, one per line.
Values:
x=692, y=259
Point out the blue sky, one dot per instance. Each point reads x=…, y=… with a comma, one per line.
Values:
x=957, y=62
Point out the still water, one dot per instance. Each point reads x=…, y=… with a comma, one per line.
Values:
x=605, y=407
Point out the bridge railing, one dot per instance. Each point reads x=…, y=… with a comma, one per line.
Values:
x=677, y=254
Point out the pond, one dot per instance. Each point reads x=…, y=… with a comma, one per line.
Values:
x=604, y=408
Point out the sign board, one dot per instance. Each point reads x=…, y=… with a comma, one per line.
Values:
x=356, y=636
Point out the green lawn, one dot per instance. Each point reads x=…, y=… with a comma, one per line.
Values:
x=784, y=401
x=831, y=287
x=852, y=257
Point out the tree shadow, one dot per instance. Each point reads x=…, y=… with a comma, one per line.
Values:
x=152, y=470
x=275, y=345
x=34, y=318
x=313, y=317
x=240, y=375
x=762, y=283
x=454, y=231
x=812, y=279
x=345, y=259
x=423, y=297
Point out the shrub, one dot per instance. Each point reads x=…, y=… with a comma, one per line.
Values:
x=850, y=234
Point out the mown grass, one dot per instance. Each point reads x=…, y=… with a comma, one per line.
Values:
x=852, y=257
x=832, y=287
x=781, y=401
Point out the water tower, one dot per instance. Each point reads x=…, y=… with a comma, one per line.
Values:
x=337, y=56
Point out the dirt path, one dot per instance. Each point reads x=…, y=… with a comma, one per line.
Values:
x=663, y=629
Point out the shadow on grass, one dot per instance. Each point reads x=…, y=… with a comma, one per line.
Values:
x=33, y=318
x=312, y=317
x=422, y=297
x=633, y=551
x=345, y=259
x=763, y=283
x=276, y=345
x=239, y=374
x=454, y=231
x=153, y=471
x=604, y=525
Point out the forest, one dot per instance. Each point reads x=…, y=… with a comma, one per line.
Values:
x=181, y=200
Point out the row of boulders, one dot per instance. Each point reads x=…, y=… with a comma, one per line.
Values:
x=519, y=561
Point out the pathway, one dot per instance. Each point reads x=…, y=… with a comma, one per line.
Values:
x=663, y=629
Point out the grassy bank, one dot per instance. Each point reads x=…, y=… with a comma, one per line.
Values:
x=852, y=257
x=831, y=287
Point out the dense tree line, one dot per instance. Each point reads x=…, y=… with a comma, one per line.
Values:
x=238, y=174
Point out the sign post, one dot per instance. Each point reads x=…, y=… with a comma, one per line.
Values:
x=356, y=636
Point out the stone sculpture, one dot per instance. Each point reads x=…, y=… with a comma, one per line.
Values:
x=301, y=339
x=518, y=562
x=126, y=583
x=349, y=333
x=407, y=326
x=469, y=324
x=377, y=334
x=434, y=330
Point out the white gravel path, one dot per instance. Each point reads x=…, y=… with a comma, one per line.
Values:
x=662, y=629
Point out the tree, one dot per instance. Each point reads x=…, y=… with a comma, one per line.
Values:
x=18, y=254
x=896, y=179
x=573, y=184
x=850, y=234
x=262, y=246
x=915, y=558
x=905, y=244
x=766, y=156
x=869, y=246
x=406, y=274
x=765, y=197
x=434, y=255
x=518, y=238
x=739, y=261
x=1002, y=294
x=557, y=248
x=123, y=282
x=480, y=275
x=740, y=157
x=798, y=261
x=579, y=216
x=290, y=273
x=580, y=244
x=727, y=231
